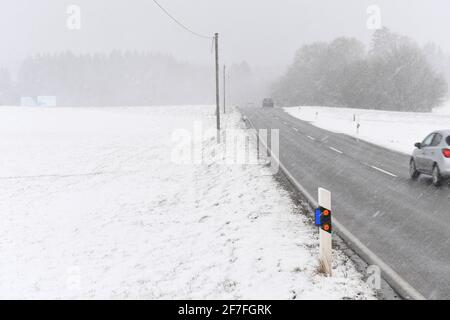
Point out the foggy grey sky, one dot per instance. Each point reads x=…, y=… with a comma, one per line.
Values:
x=263, y=32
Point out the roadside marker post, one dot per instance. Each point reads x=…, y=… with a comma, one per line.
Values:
x=323, y=220
x=269, y=142
x=257, y=144
x=263, y=141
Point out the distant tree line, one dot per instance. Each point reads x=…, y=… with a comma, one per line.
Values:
x=116, y=79
x=394, y=74
x=129, y=79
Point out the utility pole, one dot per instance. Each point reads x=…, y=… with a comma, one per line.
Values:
x=224, y=89
x=216, y=38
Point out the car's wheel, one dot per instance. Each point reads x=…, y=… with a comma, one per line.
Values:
x=437, y=178
x=413, y=171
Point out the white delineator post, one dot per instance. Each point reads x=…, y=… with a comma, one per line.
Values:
x=325, y=249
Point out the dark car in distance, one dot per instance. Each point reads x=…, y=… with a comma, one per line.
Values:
x=268, y=103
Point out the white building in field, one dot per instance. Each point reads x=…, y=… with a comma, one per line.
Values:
x=27, y=102
x=46, y=101
x=40, y=101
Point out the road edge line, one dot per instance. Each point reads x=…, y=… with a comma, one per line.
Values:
x=401, y=286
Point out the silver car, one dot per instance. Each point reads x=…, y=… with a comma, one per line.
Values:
x=432, y=157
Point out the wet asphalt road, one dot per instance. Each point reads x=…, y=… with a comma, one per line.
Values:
x=405, y=223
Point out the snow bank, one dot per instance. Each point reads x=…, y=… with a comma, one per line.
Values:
x=92, y=206
x=394, y=130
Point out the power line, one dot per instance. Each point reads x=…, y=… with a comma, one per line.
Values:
x=179, y=23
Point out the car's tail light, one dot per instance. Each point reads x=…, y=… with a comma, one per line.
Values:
x=446, y=153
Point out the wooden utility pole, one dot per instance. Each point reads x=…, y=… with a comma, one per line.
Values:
x=224, y=89
x=216, y=38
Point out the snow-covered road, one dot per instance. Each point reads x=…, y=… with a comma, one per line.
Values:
x=92, y=206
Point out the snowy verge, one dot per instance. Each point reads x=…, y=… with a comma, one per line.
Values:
x=94, y=206
x=397, y=131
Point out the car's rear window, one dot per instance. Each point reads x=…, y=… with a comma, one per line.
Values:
x=448, y=140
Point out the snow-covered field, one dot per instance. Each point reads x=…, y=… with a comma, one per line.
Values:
x=394, y=130
x=92, y=205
